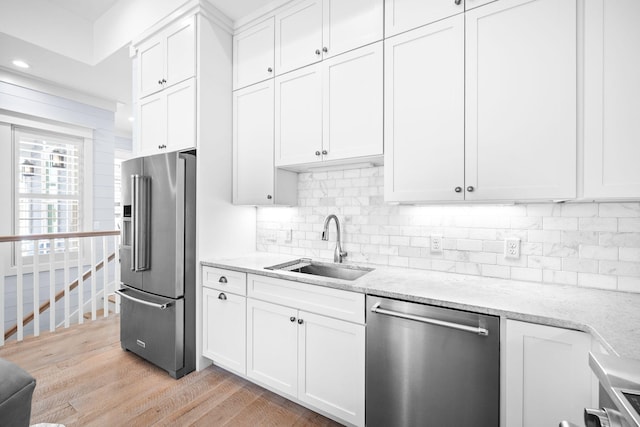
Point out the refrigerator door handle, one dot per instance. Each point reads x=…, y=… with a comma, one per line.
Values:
x=140, y=190
x=180, y=219
x=122, y=293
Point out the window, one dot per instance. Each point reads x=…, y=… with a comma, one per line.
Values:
x=48, y=188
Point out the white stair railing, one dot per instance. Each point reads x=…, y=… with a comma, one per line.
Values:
x=60, y=261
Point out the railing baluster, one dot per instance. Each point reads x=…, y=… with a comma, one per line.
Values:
x=93, y=278
x=2, y=260
x=66, y=283
x=116, y=261
x=80, y=282
x=105, y=277
x=19, y=295
x=36, y=288
x=52, y=285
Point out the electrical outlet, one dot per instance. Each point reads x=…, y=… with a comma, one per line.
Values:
x=512, y=248
x=436, y=243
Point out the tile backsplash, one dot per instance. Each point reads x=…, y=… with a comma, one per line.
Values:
x=583, y=244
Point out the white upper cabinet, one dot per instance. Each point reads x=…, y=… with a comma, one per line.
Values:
x=298, y=36
x=424, y=113
x=255, y=179
x=353, y=104
x=253, y=54
x=403, y=15
x=298, y=117
x=313, y=30
x=350, y=24
x=612, y=99
x=331, y=110
x=520, y=92
x=168, y=58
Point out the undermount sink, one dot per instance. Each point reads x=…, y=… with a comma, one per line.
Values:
x=324, y=269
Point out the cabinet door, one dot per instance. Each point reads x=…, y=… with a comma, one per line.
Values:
x=298, y=125
x=272, y=345
x=547, y=375
x=331, y=364
x=181, y=115
x=403, y=15
x=153, y=124
x=151, y=67
x=352, y=104
x=521, y=100
x=470, y=4
x=424, y=113
x=180, y=58
x=253, y=54
x=224, y=329
x=350, y=24
x=612, y=99
x=253, y=145
x=298, y=36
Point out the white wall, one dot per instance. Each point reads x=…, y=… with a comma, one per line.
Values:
x=582, y=244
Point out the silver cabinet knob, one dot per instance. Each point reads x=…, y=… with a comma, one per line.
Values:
x=222, y=296
x=470, y=189
x=318, y=52
x=458, y=189
x=164, y=80
x=300, y=321
x=325, y=50
x=458, y=2
x=270, y=70
x=269, y=197
x=325, y=152
x=160, y=81
x=293, y=319
x=317, y=153
x=222, y=279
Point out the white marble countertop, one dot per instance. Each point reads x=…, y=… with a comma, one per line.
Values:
x=613, y=318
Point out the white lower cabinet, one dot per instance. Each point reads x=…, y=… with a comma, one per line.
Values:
x=224, y=308
x=316, y=359
x=547, y=375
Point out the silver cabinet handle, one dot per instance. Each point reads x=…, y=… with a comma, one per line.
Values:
x=292, y=319
x=121, y=292
x=300, y=321
x=458, y=2
x=325, y=50
x=269, y=197
x=470, y=189
x=458, y=189
x=270, y=70
x=222, y=296
x=325, y=152
x=318, y=52
x=317, y=153
x=222, y=279
x=480, y=331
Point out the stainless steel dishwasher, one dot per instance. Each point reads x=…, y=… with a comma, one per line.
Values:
x=431, y=366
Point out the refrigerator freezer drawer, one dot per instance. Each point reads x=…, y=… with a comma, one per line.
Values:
x=153, y=328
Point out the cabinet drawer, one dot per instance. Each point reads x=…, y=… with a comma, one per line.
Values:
x=331, y=302
x=225, y=280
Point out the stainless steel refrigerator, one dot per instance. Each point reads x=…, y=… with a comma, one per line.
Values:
x=157, y=260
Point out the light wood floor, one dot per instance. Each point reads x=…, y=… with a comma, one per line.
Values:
x=84, y=378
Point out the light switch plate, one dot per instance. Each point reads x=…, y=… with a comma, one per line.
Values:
x=512, y=248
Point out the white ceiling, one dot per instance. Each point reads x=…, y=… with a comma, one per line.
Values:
x=110, y=79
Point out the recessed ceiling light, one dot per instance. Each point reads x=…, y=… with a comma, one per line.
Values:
x=20, y=64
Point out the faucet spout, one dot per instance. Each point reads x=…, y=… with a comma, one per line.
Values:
x=338, y=253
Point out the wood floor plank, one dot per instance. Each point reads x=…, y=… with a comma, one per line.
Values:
x=84, y=379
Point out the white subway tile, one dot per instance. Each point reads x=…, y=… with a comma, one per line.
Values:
x=528, y=274
x=559, y=250
x=598, y=281
x=619, y=210
x=546, y=210
x=399, y=240
x=527, y=248
x=629, y=224
x=409, y=251
x=527, y=222
x=579, y=209
x=560, y=277
x=482, y=257
x=496, y=271
x=543, y=262
x=625, y=240
x=572, y=238
x=469, y=245
x=398, y=261
x=421, y=263
x=468, y=268
x=544, y=236
x=555, y=223
x=443, y=265
x=456, y=256
x=493, y=246
x=599, y=252
x=580, y=265
x=620, y=268
x=629, y=284
x=630, y=254
x=598, y=224
x=482, y=234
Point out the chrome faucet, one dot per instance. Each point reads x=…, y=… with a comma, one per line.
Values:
x=338, y=253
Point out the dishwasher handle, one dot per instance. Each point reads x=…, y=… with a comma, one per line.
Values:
x=480, y=331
